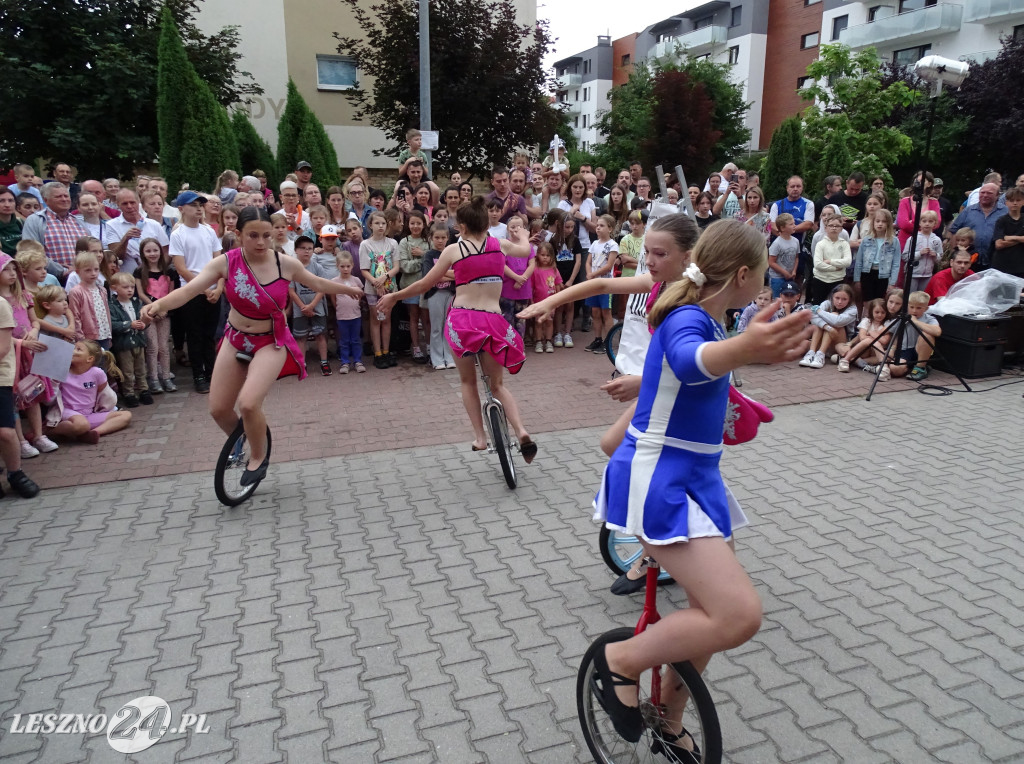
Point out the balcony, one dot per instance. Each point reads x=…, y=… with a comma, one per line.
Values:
x=570, y=107
x=994, y=11
x=980, y=57
x=567, y=81
x=905, y=29
x=697, y=42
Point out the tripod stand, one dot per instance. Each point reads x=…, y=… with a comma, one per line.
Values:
x=899, y=326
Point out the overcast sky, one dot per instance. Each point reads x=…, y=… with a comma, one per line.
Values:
x=577, y=23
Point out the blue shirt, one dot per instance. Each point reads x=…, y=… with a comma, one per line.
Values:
x=983, y=226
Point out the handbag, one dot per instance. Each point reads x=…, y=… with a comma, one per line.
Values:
x=27, y=390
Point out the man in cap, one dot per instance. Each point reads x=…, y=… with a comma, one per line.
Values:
x=304, y=173
x=945, y=206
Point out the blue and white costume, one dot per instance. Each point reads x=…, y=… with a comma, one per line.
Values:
x=663, y=483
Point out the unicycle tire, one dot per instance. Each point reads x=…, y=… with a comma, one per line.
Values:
x=611, y=342
x=231, y=463
x=700, y=718
x=502, y=443
x=620, y=550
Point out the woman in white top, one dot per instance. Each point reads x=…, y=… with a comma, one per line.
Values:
x=581, y=209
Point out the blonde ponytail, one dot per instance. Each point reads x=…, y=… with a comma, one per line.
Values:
x=724, y=248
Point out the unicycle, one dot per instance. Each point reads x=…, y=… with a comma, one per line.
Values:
x=611, y=342
x=669, y=695
x=231, y=463
x=496, y=425
x=621, y=550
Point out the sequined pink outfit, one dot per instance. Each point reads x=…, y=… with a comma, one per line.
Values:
x=260, y=302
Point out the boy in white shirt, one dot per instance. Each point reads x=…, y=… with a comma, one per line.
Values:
x=600, y=261
x=497, y=229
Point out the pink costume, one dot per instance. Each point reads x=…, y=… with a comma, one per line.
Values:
x=470, y=330
x=259, y=302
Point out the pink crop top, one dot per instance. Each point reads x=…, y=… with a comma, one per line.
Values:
x=246, y=295
x=486, y=265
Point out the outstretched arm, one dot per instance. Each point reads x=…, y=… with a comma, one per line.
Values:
x=627, y=285
x=209, y=276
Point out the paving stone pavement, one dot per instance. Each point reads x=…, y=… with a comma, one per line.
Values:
x=404, y=606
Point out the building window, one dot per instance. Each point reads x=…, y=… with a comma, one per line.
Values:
x=586, y=67
x=705, y=57
x=915, y=5
x=335, y=73
x=575, y=121
x=811, y=2
x=839, y=23
x=586, y=97
x=625, y=59
x=664, y=37
x=809, y=40
x=909, y=56
x=803, y=82
x=1018, y=33
x=576, y=95
x=734, y=54
x=873, y=12
x=737, y=16
x=703, y=21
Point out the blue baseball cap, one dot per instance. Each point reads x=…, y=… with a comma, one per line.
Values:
x=789, y=288
x=187, y=197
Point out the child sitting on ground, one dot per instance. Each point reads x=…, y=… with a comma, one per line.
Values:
x=80, y=393
x=913, y=357
x=759, y=303
x=872, y=338
x=833, y=322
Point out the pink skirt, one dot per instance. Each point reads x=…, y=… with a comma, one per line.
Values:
x=470, y=331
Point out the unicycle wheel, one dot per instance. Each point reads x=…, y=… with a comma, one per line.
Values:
x=502, y=443
x=231, y=463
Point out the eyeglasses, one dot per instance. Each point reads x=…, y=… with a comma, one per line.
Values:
x=356, y=193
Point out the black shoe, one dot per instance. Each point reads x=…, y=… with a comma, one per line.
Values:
x=22, y=484
x=145, y=398
x=627, y=720
x=131, y=402
x=202, y=386
x=668, y=744
x=626, y=585
x=380, y=362
x=594, y=346
x=251, y=477
x=392, y=360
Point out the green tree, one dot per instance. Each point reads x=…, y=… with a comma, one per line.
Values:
x=729, y=110
x=683, y=131
x=97, y=60
x=836, y=158
x=302, y=138
x=850, y=96
x=253, y=152
x=197, y=142
x=488, y=82
x=626, y=125
x=785, y=158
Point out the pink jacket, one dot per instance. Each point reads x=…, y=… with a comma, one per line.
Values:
x=82, y=308
x=905, y=217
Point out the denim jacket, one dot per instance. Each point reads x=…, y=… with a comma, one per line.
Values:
x=889, y=258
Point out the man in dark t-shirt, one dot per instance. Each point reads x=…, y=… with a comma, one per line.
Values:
x=1008, y=236
x=852, y=200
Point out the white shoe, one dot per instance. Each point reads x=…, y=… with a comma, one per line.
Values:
x=28, y=450
x=549, y=348
x=558, y=340
x=844, y=365
x=567, y=341
x=538, y=348
x=451, y=365
x=44, y=444
x=808, y=358
x=885, y=375
x=439, y=367
x=819, y=360
x=834, y=358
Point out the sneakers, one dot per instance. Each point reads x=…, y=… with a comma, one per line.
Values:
x=325, y=369
x=595, y=347
x=343, y=369
x=886, y=375
x=834, y=358
x=360, y=368
x=549, y=347
x=169, y=386
x=808, y=358
x=818, y=361
x=146, y=398
x=131, y=402
x=28, y=450
x=439, y=367
x=538, y=348
x=44, y=444
x=567, y=341
x=558, y=340
x=202, y=385
x=380, y=362
x=844, y=365
x=392, y=360
x=451, y=365
x=869, y=368
x=417, y=356
x=22, y=484
x=154, y=387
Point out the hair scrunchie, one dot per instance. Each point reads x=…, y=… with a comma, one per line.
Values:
x=693, y=273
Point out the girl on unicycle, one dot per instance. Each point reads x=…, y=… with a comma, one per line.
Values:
x=257, y=347
x=663, y=483
x=474, y=324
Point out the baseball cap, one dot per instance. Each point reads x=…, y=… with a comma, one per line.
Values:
x=328, y=230
x=304, y=237
x=789, y=287
x=187, y=197
x=303, y=165
x=938, y=182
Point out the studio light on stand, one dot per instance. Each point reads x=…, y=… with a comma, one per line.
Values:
x=939, y=72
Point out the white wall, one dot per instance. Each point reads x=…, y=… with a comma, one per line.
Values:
x=749, y=71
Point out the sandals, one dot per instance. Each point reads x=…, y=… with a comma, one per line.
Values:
x=668, y=744
x=627, y=720
x=626, y=585
x=528, y=449
x=475, y=448
x=919, y=373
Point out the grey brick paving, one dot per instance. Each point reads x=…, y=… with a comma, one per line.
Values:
x=429, y=614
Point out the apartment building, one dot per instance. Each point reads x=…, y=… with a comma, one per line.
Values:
x=904, y=31
x=584, y=80
x=289, y=38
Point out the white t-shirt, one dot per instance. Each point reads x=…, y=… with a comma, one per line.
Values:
x=600, y=251
x=636, y=336
x=115, y=229
x=197, y=245
x=587, y=208
x=499, y=231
